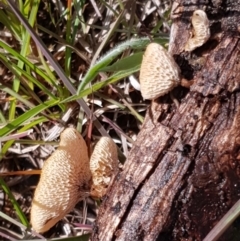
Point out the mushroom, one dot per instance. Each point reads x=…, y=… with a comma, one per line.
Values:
x=159, y=73
x=103, y=166
x=65, y=179
x=201, y=30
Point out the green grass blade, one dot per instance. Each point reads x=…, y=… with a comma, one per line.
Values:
x=32, y=66
x=110, y=100
x=26, y=127
x=24, y=51
x=13, y=25
x=124, y=64
x=16, y=206
x=57, y=68
x=16, y=95
x=34, y=81
x=52, y=78
x=13, y=125
x=17, y=71
x=112, y=79
x=68, y=51
x=135, y=43
x=2, y=118
x=11, y=220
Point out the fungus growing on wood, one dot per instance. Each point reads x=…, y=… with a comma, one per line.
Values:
x=103, y=165
x=65, y=179
x=159, y=72
x=201, y=31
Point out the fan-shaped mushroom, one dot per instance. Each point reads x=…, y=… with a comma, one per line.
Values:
x=159, y=72
x=103, y=165
x=201, y=30
x=65, y=179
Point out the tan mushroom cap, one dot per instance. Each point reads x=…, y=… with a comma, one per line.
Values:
x=65, y=179
x=201, y=30
x=103, y=165
x=159, y=72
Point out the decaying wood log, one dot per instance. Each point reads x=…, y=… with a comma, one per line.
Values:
x=183, y=172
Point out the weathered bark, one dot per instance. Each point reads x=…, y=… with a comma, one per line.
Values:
x=183, y=172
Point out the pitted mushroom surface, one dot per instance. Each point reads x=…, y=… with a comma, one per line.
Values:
x=201, y=30
x=103, y=165
x=159, y=73
x=65, y=179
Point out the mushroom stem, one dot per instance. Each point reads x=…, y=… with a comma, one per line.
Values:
x=186, y=83
x=175, y=101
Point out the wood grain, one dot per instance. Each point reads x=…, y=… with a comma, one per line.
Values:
x=183, y=172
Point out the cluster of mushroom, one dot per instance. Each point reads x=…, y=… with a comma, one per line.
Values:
x=159, y=73
x=69, y=176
